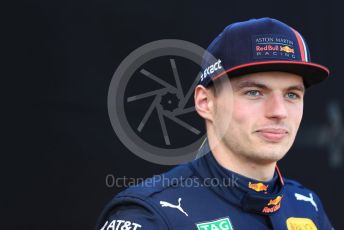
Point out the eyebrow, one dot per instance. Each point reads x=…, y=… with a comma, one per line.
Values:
x=245, y=84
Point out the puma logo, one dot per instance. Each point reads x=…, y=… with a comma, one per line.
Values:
x=166, y=204
x=307, y=199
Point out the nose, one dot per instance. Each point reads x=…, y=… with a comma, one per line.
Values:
x=275, y=107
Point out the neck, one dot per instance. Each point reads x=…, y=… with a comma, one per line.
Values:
x=241, y=165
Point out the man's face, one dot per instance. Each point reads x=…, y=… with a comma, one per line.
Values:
x=266, y=110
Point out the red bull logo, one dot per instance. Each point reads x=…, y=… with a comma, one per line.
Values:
x=258, y=187
x=286, y=49
x=275, y=203
x=273, y=46
x=267, y=48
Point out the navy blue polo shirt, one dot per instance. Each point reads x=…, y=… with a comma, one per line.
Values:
x=203, y=195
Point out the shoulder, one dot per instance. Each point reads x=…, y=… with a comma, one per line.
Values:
x=307, y=202
x=157, y=184
x=295, y=186
x=298, y=190
x=139, y=205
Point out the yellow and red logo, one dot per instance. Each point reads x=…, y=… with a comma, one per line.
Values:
x=275, y=203
x=258, y=187
x=286, y=49
x=294, y=223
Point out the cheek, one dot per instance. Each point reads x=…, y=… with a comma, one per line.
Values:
x=296, y=114
x=244, y=114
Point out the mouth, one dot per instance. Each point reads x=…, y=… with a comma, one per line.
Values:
x=272, y=135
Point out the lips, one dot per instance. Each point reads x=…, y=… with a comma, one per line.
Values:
x=272, y=135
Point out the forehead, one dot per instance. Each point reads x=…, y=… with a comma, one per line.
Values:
x=269, y=79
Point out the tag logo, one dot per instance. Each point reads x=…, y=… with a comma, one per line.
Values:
x=307, y=199
x=300, y=224
x=166, y=204
x=211, y=69
x=219, y=224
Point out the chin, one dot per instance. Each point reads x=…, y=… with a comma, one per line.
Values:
x=268, y=155
x=265, y=160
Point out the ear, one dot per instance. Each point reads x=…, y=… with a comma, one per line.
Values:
x=204, y=102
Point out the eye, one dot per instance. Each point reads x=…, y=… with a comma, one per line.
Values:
x=292, y=95
x=253, y=93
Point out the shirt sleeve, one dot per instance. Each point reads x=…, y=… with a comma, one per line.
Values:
x=326, y=225
x=130, y=216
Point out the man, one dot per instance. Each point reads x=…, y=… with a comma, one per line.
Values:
x=251, y=98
